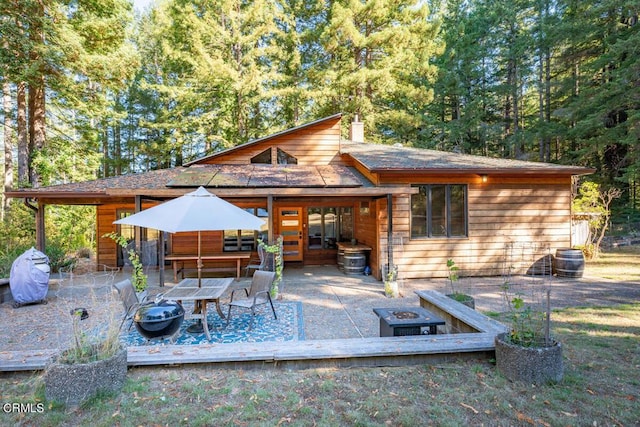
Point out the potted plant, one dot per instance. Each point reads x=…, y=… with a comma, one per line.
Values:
x=453, y=276
x=527, y=352
x=275, y=251
x=391, y=281
x=89, y=366
x=138, y=278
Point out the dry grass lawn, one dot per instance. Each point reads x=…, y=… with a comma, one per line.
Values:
x=601, y=386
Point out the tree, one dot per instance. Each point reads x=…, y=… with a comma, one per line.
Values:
x=376, y=64
x=594, y=203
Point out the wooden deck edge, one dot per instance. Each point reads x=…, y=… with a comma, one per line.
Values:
x=390, y=351
x=25, y=360
x=300, y=351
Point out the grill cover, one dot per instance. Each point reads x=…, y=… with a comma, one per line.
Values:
x=29, y=279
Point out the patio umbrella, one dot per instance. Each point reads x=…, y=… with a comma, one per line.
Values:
x=195, y=211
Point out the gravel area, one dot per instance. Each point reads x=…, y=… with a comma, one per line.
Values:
x=334, y=305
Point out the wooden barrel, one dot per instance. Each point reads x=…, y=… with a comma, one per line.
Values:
x=341, y=259
x=354, y=263
x=569, y=262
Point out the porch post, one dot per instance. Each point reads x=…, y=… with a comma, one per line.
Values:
x=39, y=214
x=390, y=231
x=271, y=217
x=161, y=257
x=137, y=233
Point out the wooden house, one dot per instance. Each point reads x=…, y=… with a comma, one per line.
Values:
x=393, y=205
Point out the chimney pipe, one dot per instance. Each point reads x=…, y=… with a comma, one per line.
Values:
x=356, y=130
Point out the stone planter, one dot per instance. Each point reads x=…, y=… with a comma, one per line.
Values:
x=464, y=299
x=71, y=384
x=533, y=365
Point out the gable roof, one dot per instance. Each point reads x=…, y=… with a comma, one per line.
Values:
x=263, y=139
x=381, y=158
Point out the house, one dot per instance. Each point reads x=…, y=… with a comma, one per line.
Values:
x=413, y=208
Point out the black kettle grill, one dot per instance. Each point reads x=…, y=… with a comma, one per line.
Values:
x=159, y=319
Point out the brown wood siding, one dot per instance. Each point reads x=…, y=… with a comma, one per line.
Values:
x=180, y=243
x=315, y=145
x=499, y=214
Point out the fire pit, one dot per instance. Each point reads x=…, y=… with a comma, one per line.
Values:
x=159, y=319
x=395, y=322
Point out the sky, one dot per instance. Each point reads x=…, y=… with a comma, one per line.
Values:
x=141, y=5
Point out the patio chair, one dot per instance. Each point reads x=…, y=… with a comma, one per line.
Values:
x=129, y=300
x=257, y=264
x=259, y=293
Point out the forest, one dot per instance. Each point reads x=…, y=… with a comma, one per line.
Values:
x=96, y=88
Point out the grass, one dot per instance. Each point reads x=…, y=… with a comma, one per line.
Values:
x=620, y=264
x=601, y=387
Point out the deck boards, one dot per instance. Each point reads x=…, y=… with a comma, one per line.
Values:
x=477, y=341
x=390, y=351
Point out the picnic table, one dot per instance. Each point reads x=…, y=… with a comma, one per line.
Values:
x=208, y=290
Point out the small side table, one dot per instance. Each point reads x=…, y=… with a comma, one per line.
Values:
x=402, y=321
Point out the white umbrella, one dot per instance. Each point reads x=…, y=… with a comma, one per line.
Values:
x=195, y=211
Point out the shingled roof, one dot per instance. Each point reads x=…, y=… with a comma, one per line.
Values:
x=229, y=180
x=379, y=158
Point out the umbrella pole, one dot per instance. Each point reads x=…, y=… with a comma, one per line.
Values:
x=199, y=262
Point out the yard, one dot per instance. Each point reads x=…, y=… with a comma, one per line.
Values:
x=601, y=385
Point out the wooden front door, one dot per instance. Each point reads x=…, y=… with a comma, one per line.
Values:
x=290, y=228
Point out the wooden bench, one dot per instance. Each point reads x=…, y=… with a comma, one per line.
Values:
x=459, y=317
x=183, y=262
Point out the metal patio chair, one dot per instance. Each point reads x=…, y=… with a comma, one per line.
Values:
x=257, y=264
x=129, y=300
x=259, y=293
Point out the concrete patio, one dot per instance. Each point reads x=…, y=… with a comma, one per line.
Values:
x=339, y=324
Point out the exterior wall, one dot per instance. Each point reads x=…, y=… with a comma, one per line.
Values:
x=106, y=252
x=315, y=145
x=498, y=214
x=179, y=243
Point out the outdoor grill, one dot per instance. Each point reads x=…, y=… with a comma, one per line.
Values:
x=159, y=319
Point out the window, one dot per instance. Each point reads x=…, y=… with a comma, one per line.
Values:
x=439, y=211
x=327, y=226
x=264, y=157
x=282, y=157
x=247, y=240
x=148, y=246
x=285, y=158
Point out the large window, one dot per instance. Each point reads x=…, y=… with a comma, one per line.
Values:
x=148, y=246
x=328, y=226
x=247, y=240
x=439, y=211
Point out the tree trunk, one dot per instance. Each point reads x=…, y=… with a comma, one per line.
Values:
x=8, y=145
x=23, y=136
x=37, y=125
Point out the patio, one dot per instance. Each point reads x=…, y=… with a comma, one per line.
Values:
x=339, y=325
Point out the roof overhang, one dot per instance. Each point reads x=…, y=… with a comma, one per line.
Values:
x=122, y=194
